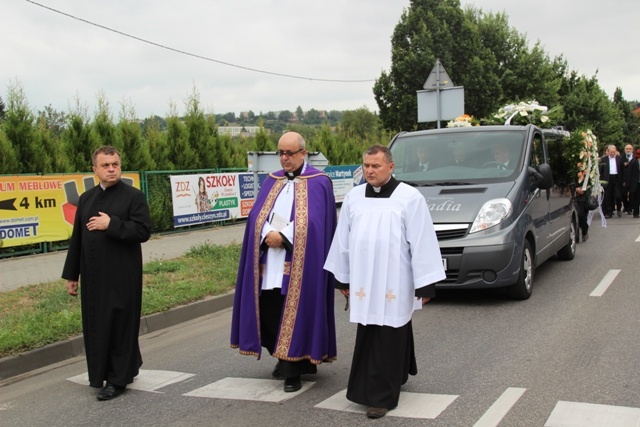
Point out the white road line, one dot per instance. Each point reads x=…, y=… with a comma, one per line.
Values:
x=638, y=239
x=411, y=405
x=500, y=407
x=147, y=379
x=578, y=414
x=604, y=283
x=264, y=390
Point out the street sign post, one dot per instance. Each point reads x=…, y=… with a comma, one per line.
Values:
x=440, y=99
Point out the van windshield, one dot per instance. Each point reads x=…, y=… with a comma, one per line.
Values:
x=458, y=156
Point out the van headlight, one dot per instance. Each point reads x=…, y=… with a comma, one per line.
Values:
x=492, y=213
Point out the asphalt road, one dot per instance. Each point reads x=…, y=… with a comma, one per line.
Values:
x=566, y=357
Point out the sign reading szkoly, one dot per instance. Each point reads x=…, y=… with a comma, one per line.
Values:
x=204, y=198
x=37, y=208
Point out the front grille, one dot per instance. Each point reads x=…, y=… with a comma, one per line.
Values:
x=451, y=251
x=451, y=234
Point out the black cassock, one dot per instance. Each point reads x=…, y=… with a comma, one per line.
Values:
x=109, y=265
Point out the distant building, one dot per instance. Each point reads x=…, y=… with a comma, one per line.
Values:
x=235, y=131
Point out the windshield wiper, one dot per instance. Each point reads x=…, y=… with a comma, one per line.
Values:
x=416, y=184
x=446, y=183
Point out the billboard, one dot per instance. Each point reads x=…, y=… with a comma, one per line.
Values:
x=41, y=208
x=204, y=198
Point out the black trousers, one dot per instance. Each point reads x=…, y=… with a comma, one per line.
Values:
x=383, y=359
x=612, y=195
x=583, y=214
x=635, y=201
x=271, y=304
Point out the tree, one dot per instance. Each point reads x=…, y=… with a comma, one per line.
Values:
x=135, y=153
x=18, y=127
x=587, y=105
x=325, y=141
x=199, y=134
x=155, y=121
x=360, y=123
x=299, y=116
x=54, y=158
x=56, y=121
x=313, y=117
x=2, y=110
x=103, y=130
x=157, y=143
x=180, y=152
x=631, y=129
x=285, y=116
x=335, y=116
x=262, y=141
x=427, y=30
x=229, y=117
x=77, y=137
x=9, y=163
x=480, y=52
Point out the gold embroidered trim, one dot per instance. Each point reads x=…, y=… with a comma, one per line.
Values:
x=325, y=359
x=292, y=300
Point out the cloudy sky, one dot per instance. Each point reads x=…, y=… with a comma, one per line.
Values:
x=265, y=55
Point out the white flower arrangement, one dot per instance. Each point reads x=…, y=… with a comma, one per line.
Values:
x=582, y=151
x=460, y=121
x=523, y=109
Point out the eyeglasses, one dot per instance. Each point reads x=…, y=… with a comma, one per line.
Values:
x=288, y=153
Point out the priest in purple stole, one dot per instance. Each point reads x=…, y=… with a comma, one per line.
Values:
x=284, y=299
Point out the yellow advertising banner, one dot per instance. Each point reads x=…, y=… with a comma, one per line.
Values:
x=41, y=208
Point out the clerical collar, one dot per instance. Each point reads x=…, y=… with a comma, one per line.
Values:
x=384, y=191
x=291, y=175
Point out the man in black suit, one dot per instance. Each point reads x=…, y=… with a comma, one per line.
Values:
x=611, y=170
x=627, y=203
x=633, y=179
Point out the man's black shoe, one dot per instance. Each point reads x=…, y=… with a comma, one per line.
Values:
x=619, y=214
x=110, y=391
x=376, y=412
x=292, y=384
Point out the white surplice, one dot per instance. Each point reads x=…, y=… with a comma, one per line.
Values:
x=385, y=248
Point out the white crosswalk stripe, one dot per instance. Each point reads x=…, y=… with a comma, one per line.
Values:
x=147, y=380
x=411, y=405
x=248, y=389
x=577, y=414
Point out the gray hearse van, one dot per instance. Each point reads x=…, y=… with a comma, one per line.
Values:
x=500, y=200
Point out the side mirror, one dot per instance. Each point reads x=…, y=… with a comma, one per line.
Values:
x=541, y=177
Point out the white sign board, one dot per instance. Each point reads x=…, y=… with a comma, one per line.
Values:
x=451, y=104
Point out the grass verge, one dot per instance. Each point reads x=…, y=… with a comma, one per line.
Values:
x=33, y=316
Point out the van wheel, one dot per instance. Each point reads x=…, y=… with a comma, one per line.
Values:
x=521, y=290
x=568, y=252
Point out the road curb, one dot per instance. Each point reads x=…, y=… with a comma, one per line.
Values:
x=22, y=363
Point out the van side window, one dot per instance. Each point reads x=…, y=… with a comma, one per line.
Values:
x=537, y=156
x=559, y=165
